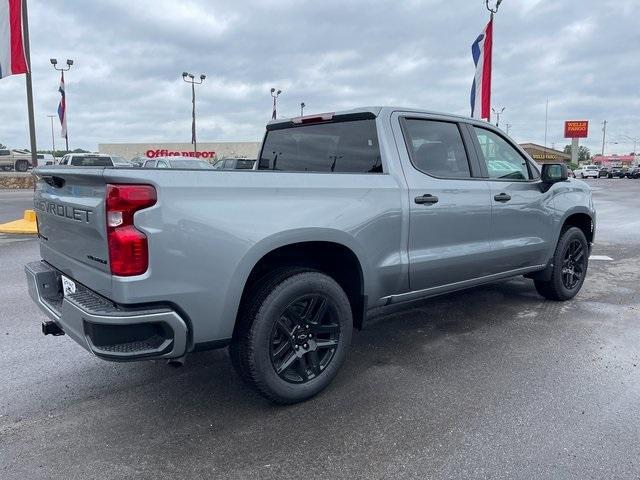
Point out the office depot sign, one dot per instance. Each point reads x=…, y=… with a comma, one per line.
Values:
x=576, y=129
x=169, y=153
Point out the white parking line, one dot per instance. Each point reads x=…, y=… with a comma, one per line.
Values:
x=600, y=257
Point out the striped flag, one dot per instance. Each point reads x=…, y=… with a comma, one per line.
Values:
x=13, y=60
x=481, y=88
x=62, y=109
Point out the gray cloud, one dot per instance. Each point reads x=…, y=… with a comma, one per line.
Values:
x=126, y=85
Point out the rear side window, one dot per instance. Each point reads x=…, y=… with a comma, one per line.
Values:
x=346, y=147
x=91, y=161
x=436, y=148
x=4, y=152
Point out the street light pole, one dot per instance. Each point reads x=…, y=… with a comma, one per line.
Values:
x=69, y=63
x=191, y=78
x=302, y=105
x=275, y=94
x=53, y=138
x=498, y=113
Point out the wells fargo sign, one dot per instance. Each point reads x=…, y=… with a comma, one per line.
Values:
x=170, y=153
x=576, y=129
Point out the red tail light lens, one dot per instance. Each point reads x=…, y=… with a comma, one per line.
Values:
x=128, y=250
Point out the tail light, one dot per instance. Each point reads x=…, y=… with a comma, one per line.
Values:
x=128, y=250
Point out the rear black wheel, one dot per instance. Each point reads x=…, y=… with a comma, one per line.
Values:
x=293, y=335
x=570, y=262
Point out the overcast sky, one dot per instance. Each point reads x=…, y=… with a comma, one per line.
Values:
x=125, y=86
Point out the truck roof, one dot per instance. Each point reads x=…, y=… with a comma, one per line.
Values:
x=377, y=110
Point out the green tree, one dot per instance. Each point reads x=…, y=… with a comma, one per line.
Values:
x=584, y=154
x=2, y=146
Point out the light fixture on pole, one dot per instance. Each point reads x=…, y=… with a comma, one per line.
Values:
x=302, y=105
x=191, y=78
x=275, y=94
x=62, y=108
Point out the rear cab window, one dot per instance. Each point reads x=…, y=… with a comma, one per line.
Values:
x=342, y=144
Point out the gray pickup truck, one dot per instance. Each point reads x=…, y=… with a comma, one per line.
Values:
x=343, y=215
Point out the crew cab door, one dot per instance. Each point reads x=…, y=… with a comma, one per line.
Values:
x=522, y=211
x=449, y=207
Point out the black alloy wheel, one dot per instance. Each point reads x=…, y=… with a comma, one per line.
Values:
x=304, y=339
x=569, y=266
x=293, y=333
x=573, y=265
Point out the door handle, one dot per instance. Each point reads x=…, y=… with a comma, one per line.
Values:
x=426, y=199
x=502, y=197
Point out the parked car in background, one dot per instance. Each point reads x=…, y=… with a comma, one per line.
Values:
x=235, y=164
x=18, y=160
x=138, y=161
x=603, y=172
x=177, y=162
x=283, y=263
x=93, y=160
x=616, y=172
x=587, y=171
x=633, y=172
x=45, y=159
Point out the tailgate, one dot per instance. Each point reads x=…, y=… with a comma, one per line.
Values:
x=70, y=205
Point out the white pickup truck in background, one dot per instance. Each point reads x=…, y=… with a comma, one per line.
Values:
x=18, y=160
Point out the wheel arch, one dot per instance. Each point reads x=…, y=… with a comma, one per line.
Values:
x=331, y=251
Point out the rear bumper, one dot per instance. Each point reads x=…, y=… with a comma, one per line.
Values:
x=110, y=331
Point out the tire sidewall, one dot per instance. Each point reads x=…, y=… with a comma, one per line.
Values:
x=568, y=236
x=272, y=307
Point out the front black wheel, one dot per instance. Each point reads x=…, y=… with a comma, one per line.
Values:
x=570, y=262
x=293, y=335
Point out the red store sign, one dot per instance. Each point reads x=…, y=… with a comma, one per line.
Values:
x=169, y=153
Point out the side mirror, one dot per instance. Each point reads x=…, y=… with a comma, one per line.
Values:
x=554, y=173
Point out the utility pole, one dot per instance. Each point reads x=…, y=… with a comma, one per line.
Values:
x=604, y=135
x=546, y=122
x=53, y=138
x=191, y=78
x=508, y=128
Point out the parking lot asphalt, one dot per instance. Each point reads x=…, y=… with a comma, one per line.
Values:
x=13, y=203
x=489, y=383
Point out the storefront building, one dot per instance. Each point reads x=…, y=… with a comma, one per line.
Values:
x=206, y=150
x=615, y=160
x=545, y=154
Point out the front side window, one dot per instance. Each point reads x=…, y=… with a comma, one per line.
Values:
x=340, y=146
x=503, y=161
x=436, y=148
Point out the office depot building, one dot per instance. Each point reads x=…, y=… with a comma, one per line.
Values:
x=206, y=150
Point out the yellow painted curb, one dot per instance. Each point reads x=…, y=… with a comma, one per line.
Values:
x=26, y=225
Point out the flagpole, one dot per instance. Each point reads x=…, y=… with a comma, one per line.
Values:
x=29, y=85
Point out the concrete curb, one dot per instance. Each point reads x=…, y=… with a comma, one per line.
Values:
x=26, y=225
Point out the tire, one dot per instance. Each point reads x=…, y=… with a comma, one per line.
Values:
x=22, y=166
x=569, y=269
x=298, y=321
